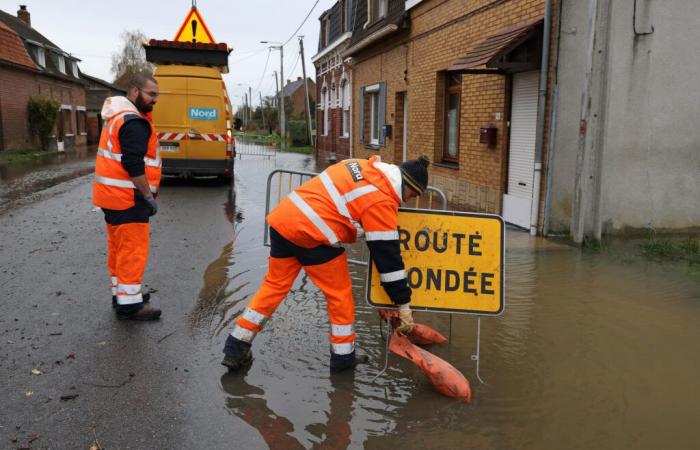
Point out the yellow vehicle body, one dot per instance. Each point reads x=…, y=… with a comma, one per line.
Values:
x=192, y=118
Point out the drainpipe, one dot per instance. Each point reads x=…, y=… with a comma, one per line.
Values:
x=541, y=107
x=552, y=126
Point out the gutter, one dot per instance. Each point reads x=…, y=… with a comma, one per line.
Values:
x=541, y=108
x=343, y=38
x=372, y=38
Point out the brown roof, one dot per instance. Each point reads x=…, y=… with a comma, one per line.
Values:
x=12, y=49
x=495, y=46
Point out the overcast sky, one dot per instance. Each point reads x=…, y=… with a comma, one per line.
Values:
x=90, y=30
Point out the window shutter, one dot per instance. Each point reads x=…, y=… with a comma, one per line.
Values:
x=382, y=111
x=361, y=127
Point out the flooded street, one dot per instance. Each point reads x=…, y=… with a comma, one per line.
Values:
x=593, y=350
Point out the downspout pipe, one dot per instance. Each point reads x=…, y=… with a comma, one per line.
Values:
x=541, y=108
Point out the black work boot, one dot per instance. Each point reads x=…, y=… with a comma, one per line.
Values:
x=137, y=311
x=146, y=298
x=237, y=354
x=340, y=363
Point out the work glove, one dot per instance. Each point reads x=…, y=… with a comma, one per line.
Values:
x=406, y=319
x=152, y=204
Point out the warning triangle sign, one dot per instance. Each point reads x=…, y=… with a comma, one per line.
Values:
x=193, y=29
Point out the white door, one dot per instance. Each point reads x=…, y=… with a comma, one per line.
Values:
x=517, y=201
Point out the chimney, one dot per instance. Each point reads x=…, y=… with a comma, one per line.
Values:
x=24, y=15
x=288, y=81
x=298, y=78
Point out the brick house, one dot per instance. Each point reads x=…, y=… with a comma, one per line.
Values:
x=334, y=84
x=294, y=90
x=460, y=82
x=31, y=65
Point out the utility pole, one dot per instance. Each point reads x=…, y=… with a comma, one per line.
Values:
x=250, y=101
x=283, y=126
x=306, y=90
x=277, y=96
x=262, y=109
x=245, y=109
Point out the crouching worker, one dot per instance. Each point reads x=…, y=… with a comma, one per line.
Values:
x=350, y=199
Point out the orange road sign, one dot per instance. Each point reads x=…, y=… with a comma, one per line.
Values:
x=193, y=29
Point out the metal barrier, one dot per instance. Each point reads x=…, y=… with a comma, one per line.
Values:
x=253, y=149
x=357, y=252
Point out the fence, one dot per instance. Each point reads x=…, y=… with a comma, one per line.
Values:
x=252, y=148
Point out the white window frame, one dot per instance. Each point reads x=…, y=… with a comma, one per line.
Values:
x=325, y=102
x=382, y=9
x=40, y=56
x=74, y=68
x=345, y=105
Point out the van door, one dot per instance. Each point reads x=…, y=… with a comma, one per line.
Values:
x=170, y=117
x=207, y=119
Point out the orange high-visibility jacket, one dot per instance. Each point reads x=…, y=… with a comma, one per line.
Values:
x=113, y=188
x=349, y=199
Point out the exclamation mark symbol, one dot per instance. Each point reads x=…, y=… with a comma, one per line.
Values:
x=194, y=30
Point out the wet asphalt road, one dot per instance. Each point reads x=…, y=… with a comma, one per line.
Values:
x=594, y=350
x=130, y=385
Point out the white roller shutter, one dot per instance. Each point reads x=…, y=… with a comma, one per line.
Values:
x=517, y=200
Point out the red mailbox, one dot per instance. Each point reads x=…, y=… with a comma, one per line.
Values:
x=487, y=135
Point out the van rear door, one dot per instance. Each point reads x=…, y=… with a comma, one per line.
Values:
x=206, y=116
x=168, y=117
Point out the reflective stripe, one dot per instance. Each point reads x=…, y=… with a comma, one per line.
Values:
x=129, y=299
x=118, y=157
x=335, y=195
x=343, y=349
x=114, y=285
x=242, y=334
x=382, y=235
x=254, y=317
x=392, y=276
x=112, y=121
x=359, y=192
x=129, y=288
x=342, y=330
x=313, y=217
x=120, y=183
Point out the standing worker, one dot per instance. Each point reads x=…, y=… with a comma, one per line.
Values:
x=127, y=177
x=349, y=199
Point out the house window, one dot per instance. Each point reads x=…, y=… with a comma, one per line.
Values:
x=67, y=120
x=378, y=9
x=74, y=69
x=39, y=55
x=453, y=95
x=374, y=118
x=80, y=120
x=61, y=63
x=325, y=102
x=345, y=105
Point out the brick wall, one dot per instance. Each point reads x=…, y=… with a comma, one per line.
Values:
x=440, y=33
x=331, y=145
x=16, y=87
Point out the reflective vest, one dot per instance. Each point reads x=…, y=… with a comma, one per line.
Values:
x=346, y=200
x=113, y=188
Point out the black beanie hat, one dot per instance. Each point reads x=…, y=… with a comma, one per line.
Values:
x=414, y=173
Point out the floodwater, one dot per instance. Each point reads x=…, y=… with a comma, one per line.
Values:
x=593, y=350
x=20, y=181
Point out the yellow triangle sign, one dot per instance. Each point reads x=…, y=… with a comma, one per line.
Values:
x=193, y=29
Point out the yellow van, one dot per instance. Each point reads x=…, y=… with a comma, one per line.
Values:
x=193, y=121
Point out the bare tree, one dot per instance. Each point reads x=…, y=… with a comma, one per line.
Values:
x=131, y=58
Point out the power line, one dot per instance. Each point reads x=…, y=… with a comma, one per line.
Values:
x=302, y=23
x=264, y=70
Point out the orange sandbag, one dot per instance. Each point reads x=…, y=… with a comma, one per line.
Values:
x=421, y=334
x=446, y=379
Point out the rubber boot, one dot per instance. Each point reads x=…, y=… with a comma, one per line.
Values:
x=237, y=354
x=340, y=363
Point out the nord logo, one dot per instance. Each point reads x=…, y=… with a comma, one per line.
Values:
x=355, y=171
x=203, y=113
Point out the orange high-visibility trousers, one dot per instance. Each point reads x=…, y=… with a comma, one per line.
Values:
x=127, y=256
x=332, y=277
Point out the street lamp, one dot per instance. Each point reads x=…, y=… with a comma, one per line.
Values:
x=283, y=129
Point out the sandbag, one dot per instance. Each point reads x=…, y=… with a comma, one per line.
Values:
x=421, y=334
x=444, y=377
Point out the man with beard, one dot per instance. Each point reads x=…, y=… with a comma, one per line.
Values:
x=127, y=178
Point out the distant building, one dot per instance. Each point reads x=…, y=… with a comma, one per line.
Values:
x=31, y=65
x=96, y=92
x=294, y=90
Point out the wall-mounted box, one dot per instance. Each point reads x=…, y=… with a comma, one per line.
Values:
x=487, y=135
